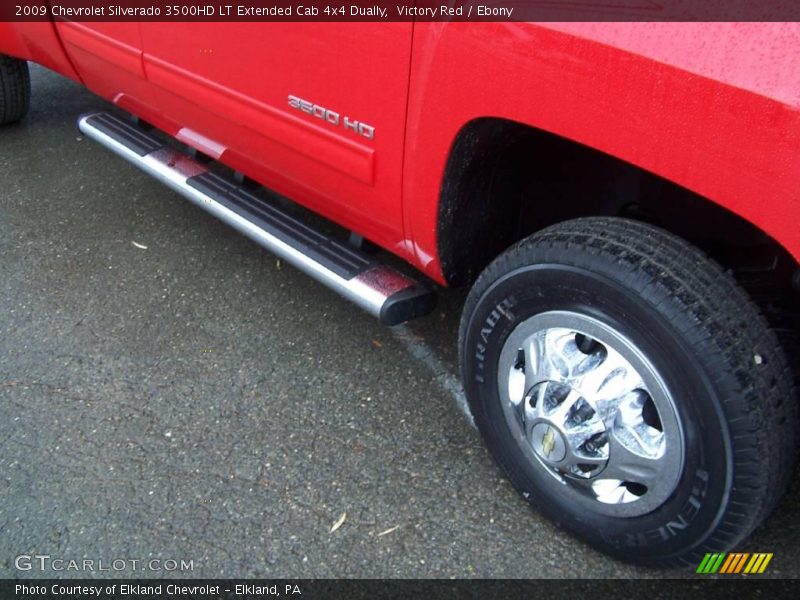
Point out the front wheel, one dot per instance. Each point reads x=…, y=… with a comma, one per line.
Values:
x=629, y=389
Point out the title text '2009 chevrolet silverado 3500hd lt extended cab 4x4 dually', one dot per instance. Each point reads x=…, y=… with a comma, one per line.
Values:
x=622, y=198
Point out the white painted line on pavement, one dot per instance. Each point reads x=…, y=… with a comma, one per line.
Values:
x=420, y=351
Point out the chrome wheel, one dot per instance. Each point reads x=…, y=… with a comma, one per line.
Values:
x=588, y=407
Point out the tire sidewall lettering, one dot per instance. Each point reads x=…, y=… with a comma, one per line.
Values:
x=502, y=310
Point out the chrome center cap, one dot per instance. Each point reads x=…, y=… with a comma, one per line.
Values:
x=548, y=442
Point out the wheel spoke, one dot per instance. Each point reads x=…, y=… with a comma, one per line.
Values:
x=578, y=436
x=556, y=357
x=626, y=465
x=561, y=411
x=609, y=381
x=536, y=402
x=539, y=366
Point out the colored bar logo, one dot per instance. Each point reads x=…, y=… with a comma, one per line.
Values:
x=734, y=563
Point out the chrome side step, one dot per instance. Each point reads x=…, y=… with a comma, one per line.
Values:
x=380, y=290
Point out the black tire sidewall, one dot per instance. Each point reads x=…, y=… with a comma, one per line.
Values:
x=694, y=509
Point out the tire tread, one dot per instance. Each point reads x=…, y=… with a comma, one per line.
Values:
x=15, y=89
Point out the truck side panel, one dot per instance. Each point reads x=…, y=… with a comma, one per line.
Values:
x=36, y=41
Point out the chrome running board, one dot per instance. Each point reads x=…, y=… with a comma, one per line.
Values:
x=377, y=288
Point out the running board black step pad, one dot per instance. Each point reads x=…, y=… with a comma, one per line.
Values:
x=125, y=133
x=340, y=258
x=381, y=290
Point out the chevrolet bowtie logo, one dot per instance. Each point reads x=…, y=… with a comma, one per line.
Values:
x=548, y=442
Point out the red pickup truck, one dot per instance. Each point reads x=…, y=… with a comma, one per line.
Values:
x=622, y=198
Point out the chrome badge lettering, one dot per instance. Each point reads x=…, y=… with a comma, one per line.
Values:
x=331, y=117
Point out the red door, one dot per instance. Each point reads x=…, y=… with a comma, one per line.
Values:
x=313, y=110
x=108, y=58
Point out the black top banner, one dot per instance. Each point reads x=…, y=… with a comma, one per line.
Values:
x=400, y=10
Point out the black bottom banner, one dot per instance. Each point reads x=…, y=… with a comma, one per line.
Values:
x=376, y=589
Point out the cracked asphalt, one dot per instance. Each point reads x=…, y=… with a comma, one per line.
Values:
x=197, y=400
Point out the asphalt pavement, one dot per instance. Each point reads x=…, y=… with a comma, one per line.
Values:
x=170, y=391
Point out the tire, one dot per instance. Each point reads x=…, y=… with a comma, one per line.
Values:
x=616, y=343
x=15, y=89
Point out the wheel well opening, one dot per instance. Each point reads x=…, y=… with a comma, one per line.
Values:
x=505, y=180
